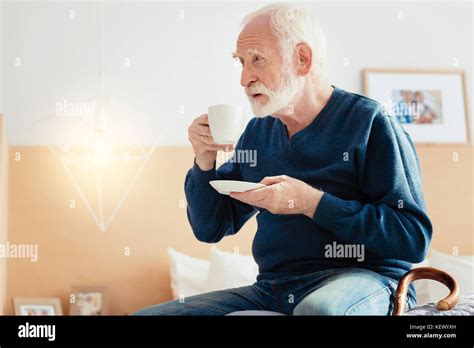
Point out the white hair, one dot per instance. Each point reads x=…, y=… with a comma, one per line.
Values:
x=293, y=26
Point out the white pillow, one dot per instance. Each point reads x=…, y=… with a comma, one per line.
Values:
x=188, y=274
x=460, y=268
x=229, y=270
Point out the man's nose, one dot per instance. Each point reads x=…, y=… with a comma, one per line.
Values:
x=247, y=77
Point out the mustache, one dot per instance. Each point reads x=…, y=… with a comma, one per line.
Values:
x=257, y=89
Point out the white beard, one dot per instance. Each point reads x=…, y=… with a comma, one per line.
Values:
x=279, y=99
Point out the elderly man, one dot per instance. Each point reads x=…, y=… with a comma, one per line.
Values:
x=342, y=215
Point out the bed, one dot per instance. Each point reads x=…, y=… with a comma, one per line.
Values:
x=191, y=276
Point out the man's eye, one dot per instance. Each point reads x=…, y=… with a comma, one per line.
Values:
x=257, y=58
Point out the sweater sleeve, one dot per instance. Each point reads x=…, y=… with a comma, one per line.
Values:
x=393, y=222
x=213, y=216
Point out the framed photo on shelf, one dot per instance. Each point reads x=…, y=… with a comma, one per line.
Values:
x=37, y=306
x=88, y=301
x=431, y=105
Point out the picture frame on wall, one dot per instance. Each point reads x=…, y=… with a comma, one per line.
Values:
x=431, y=105
x=37, y=306
x=88, y=301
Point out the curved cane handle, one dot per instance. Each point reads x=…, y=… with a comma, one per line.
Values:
x=426, y=273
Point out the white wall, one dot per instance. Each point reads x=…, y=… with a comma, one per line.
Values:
x=3, y=187
x=185, y=62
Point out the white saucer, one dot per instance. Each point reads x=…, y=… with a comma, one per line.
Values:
x=224, y=187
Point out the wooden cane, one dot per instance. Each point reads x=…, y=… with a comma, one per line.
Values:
x=426, y=273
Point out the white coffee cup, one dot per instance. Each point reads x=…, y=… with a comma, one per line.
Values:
x=226, y=123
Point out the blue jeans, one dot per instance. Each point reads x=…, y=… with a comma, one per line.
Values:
x=343, y=291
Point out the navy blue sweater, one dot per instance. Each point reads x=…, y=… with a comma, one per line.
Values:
x=367, y=167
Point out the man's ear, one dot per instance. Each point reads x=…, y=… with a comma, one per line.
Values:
x=305, y=59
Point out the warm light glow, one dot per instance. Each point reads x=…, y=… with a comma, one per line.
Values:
x=102, y=152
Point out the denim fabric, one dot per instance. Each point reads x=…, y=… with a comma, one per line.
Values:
x=343, y=291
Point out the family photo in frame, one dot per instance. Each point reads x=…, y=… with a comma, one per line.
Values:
x=37, y=306
x=431, y=105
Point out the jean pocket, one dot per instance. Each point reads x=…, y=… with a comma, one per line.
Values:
x=378, y=303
